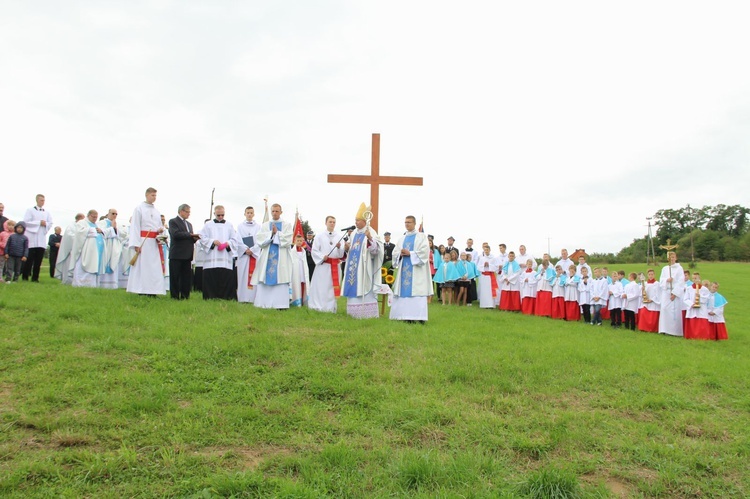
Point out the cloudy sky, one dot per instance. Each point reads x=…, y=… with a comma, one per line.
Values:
x=540, y=123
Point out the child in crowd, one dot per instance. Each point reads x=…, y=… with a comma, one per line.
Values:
x=16, y=251
x=301, y=285
x=462, y=281
x=9, y=227
x=623, y=280
x=716, y=305
x=446, y=276
x=544, y=276
x=631, y=298
x=599, y=296
x=558, y=293
x=648, y=314
x=614, y=303
x=696, y=298
x=585, y=285
x=572, y=308
x=473, y=274
x=528, y=288
x=605, y=309
x=510, y=294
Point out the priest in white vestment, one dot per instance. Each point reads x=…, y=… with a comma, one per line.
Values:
x=218, y=243
x=88, y=252
x=671, y=292
x=488, y=290
x=112, y=250
x=365, y=253
x=327, y=253
x=273, y=273
x=248, y=252
x=411, y=258
x=147, y=273
x=65, y=263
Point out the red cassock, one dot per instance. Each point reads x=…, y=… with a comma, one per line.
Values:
x=558, y=307
x=698, y=329
x=527, y=305
x=648, y=320
x=543, y=305
x=605, y=313
x=572, y=311
x=719, y=331
x=510, y=300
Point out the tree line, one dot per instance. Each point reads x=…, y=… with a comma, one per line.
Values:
x=712, y=233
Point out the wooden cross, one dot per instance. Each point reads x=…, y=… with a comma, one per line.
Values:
x=374, y=179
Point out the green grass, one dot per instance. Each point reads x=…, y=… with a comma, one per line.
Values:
x=105, y=394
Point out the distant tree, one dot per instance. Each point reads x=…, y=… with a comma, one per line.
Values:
x=718, y=232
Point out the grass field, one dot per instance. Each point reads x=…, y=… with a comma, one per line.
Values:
x=105, y=394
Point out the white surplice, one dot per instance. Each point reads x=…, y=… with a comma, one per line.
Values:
x=147, y=275
x=322, y=297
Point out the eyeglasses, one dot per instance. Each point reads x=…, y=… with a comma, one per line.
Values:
x=217, y=216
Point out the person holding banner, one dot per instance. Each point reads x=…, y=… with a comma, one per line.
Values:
x=327, y=252
x=147, y=266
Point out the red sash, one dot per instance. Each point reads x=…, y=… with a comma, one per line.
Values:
x=335, y=262
x=161, y=257
x=250, y=270
x=151, y=234
x=493, y=280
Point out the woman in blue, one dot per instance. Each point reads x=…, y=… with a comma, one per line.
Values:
x=466, y=275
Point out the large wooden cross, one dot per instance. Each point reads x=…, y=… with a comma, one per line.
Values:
x=374, y=179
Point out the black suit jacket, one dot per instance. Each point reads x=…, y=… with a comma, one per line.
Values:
x=181, y=247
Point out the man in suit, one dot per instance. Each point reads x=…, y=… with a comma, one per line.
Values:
x=450, y=246
x=54, y=248
x=181, y=254
x=387, y=248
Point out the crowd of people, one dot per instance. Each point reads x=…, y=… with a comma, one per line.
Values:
x=271, y=264
x=674, y=305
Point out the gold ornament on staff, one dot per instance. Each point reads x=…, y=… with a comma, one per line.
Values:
x=367, y=216
x=669, y=247
x=697, y=302
x=643, y=287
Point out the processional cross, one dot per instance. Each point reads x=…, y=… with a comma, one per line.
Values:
x=374, y=179
x=669, y=247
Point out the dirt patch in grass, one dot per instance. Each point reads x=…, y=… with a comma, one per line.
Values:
x=248, y=458
x=6, y=390
x=618, y=488
x=66, y=441
x=430, y=436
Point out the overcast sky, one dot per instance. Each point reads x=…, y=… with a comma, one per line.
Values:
x=536, y=123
